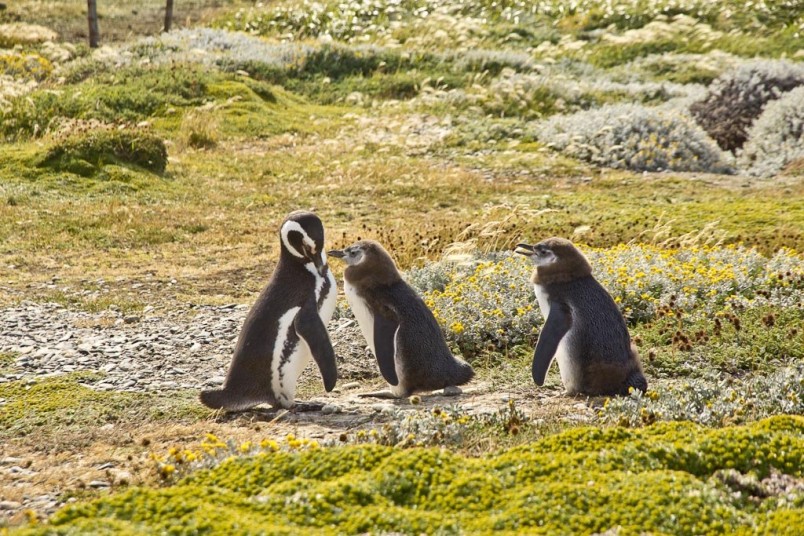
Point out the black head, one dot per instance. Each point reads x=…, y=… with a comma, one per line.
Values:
x=302, y=236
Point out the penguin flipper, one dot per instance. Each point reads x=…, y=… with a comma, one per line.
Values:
x=557, y=325
x=308, y=326
x=385, y=347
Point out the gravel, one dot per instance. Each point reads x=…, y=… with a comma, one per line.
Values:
x=187, y=348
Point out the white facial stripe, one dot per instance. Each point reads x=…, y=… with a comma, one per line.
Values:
x=544, y=260
x=295, y=226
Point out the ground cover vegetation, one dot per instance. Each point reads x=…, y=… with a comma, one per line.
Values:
x=144, y=181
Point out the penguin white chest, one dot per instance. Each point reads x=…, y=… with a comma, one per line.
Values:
x=362, y=313
x=567, y=367
x=289, y=362
x=544, y=302
x=330, y=300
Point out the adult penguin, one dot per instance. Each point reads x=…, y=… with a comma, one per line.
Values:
x=286, y=326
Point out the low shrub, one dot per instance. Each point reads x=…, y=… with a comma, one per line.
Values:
x=738, y=97
x=129, y=94
x=19, y=33
x=85, y=151
x=629, y=136
x=26, y=66
x=663, y=479
x=489, y=304
x=712, y=401
x=776, y=139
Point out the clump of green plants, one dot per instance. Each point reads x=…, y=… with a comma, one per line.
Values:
x=683, y=68
x=199, y=129
x=130, y=94
x=745, y=336
x=737, y=98
x=777, y=138
x=629, y=136
x=32, y=66
x=489, y=305
x=664, y=478
x=53, y=404
x=712, y=401
x=85, y=151
x=20, y=33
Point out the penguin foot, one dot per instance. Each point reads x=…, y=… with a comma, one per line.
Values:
x=379, y=394
x=302, y=407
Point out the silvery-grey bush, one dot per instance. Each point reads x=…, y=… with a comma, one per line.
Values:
x=631, y=136
x=737, y=98
x=777, y=137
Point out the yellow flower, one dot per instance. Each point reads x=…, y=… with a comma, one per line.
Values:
x=269, y=444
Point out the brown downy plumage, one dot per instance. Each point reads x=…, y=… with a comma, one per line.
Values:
x=584, y=330
x=402, y=332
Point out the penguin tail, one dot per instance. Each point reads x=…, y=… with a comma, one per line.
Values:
x=464, y=372
x=214, y=398
x=636, y=378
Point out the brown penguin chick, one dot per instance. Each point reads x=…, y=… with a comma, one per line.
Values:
x=399, y=328
x=584, y=330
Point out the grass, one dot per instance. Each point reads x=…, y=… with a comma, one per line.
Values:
x=49, y=407
x=426, y=144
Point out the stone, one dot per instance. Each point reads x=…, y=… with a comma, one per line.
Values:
x=330, y=409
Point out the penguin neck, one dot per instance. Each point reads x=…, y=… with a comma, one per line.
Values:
x=363, y=278
x=288, y=261
x=550, y=275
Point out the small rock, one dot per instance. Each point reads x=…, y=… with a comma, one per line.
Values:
x=329, y=409
x=121, y=478
x=351, y=385
x=10, y=505
x=130, y=319
x=383, y=408
x=452, y=390
x=98, y=484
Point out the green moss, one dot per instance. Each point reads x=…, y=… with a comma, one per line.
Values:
x=53, y=404
x=136, y=94
x=654, y=480
x=86, y=152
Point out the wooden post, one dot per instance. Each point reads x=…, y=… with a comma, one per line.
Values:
x=168, y=15
x=92, y=17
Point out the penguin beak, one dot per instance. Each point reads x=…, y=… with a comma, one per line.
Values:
x=525, y=249
x=337, y=253
x=319, y=263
